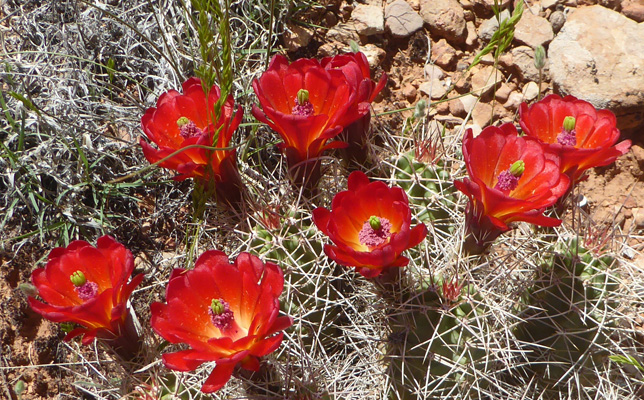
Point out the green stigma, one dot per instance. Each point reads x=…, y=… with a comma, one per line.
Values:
x=302, y=96
x=569, y=124
x=182, y=122
x=217, y=307
x=78, y=278
x=375, y=223
x=517, y=168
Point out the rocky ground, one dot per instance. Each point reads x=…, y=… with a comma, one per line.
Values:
x=595, y=51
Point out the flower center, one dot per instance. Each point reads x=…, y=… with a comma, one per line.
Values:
x=375, y=231
x=220, y=314
x=508, y=180
x=568, y=135
x=187, y=128
x=302, y=104
x=85, y=289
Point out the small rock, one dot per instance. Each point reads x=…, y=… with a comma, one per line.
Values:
x=523, y=60
x=633, y=9
x=467, y=4
x=482, y=114
x=297, y=36
x=433, y=89
x=549, y=3
x=557, y=20
x=443, y=54
x=445, y=18
x=443, y=108
x=514, y=101
x=502, y=93
x=533, y=30
x=463, y=105
x=331, y=49
x=410, y=92
x=472, y=38
x=369, y=20
x=401, y=20
x=343, y=33
x=374, y=54
x=501, y=114
x=530, y=91
x=433, y=72
x=484, y=79
x=638, y=154
x=638, y=217
x=489, y=26
x=330, y=19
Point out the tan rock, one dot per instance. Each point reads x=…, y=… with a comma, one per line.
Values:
x=297, y=36
x=533, y=30
x=401, y=19
x=530, y=91
x=607, y=73
x=633, y=9
x=484, y=79
x=482, y=114
x=368, y=19
x=445, y=18
x=443, y=54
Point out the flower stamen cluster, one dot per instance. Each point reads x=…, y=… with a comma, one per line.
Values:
x=375, y=232
x=220, y=314
x=568, y=135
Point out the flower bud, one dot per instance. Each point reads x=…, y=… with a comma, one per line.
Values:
x=517, y=168
x=539, y=57
x=420, y=109
x=78, y=278
x=375, y=223
x=355, y=47
x=28, y=289
x=569, y=124
x=182, y=122
x=302, y=96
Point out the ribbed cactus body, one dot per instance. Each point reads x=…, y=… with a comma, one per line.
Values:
x=312, y=288
x=431, y=350
x=567, y=318
x=430, y=188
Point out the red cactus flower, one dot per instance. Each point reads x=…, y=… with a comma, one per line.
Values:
x=306, y=104
x=370, y=225
x=512, y=178
x=89, y=286
x=225, y=313
x=356, y=121
x=582, y=136
x=181, y=120
x=355, y=68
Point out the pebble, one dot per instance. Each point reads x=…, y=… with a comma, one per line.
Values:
x=443, y=54
x=530, y=91
x=368, y=19
x=557, y=20
x=445, y=18
x=401, y=19
x=533, y=30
